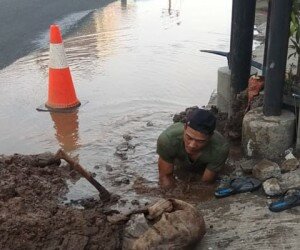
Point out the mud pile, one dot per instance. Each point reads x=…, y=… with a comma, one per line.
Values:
x=32, y=215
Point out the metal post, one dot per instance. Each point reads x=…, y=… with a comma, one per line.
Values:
x=124, y=4
x=266, y=39
x=231, y=34
x=243, y=14
x=277, y=56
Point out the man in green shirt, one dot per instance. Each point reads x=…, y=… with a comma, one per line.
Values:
x=194, y=146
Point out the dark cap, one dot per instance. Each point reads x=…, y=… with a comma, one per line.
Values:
x=202, y=120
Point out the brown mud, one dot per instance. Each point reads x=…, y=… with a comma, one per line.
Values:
x=32, y=215
x=188, y=190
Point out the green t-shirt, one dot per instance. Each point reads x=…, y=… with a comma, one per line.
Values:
x=170, y=147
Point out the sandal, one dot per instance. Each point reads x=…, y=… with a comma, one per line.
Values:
x=286, y=201
x=238, y=185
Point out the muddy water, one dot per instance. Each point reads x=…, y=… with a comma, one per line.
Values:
x=136, y=64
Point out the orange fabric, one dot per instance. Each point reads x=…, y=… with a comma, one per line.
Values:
x=61, y=92
x=255, y=85
x=55, y=36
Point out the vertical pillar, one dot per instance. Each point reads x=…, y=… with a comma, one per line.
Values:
x=279, y=31
x=266, y=39
x=243, y=14
x=124, y=3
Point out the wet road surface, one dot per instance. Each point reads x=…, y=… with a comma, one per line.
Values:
x=21, y=21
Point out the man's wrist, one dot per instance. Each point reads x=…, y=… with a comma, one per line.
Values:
x=166, y=181
x=209, y=176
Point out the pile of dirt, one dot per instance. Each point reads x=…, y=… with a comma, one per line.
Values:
x=32, y=215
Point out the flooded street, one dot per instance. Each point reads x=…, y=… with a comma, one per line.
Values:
x=134, y=65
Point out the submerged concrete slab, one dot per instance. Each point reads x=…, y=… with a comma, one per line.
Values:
x=267, y=137
x=244, y=221
x=224, y=91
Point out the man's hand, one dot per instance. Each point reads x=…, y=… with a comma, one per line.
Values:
x=166, y=179
x=208, y=176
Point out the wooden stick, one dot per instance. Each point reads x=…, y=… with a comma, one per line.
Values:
x=104, y=194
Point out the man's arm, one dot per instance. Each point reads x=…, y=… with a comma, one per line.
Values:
x=218, y=162
x=209, y=176
x=166, y=179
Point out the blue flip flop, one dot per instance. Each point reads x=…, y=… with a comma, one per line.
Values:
x=238, y=185
x=286, y=201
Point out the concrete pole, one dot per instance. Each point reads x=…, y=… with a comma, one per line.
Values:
x=243, y=15
x=277, y=56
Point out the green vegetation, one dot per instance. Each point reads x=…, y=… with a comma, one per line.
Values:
x=293, y=74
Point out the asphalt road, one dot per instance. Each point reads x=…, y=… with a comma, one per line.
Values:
x=22, y=20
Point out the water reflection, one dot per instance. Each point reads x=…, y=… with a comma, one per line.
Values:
x=172, y=12
x=66, y=126
x=101, y=35
x=124, y=4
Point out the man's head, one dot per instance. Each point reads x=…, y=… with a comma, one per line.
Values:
x=198, y=129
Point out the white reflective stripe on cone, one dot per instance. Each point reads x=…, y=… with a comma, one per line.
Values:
x=58, y=58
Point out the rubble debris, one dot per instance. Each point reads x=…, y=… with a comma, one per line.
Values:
x=150, y=124
x=290, y=179
x=272, y=187
x=127, y=137
x=289, y=165
x=266, y=169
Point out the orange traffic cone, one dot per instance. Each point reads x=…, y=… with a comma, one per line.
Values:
x=61, y=92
